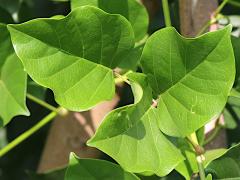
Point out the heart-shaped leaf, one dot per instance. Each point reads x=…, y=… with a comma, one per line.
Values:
x=95, y=169
x=74, y=56
x=13, y=81
x=191, y=78
x=131, y=136
x=133, y=10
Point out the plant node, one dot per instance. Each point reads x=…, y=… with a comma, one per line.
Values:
x=62, y=111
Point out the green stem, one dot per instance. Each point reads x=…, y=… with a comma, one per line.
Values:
x=28, y=133
x=166, y=13
x=203, y=29
x=141, y=42
x=200, y=160
x=215, y=14
x=199, y=152
x=219, y=9
x=42, y=103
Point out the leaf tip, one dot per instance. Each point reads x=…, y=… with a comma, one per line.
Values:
x=90, y=142
x=10, y=26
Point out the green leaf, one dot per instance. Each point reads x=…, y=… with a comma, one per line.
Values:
x=189, y=166
x=13, y=81
x=234, y=93
x=236, y=47
x=76, y=3
x=232, y=111
x=209, y=177
x=133, y=10
x=229, y=119
x=227, y=166
x=130, y=135
x=191, y=78
x=213, y=154
x=132, y=59
x=74, y=56
x=92, y=169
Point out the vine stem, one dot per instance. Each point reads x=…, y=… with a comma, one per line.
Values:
x=42, y=103
x=210, y=22
x=199, y=152
x=200, y=160
x=166, y=13
x=29, y=132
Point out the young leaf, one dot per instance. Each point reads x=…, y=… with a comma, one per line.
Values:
x=131, y=136
x=13, y=81
x=95, y=169
x=74, y=56
x=133, y=10
x=189, y=166
x=227, y=166
x=191, y=77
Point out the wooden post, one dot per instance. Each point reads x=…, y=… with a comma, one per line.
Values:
x=70, y=134
x=194, y=14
